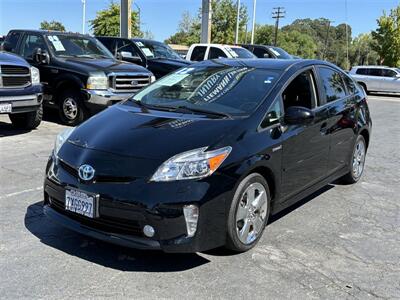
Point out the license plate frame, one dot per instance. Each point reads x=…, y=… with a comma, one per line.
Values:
x=5, y=108
x=81, y=202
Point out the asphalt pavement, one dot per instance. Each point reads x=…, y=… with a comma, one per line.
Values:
x=342, y=242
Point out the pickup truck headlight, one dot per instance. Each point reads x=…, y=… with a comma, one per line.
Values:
x=194, y=164
x=35, y=75
x=97, y=81
x=61, y=139
x=152, y=78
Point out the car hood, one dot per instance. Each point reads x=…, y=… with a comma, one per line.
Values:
x=178, y=63
x=129, y=131
x=12, y=59
x=105, y=65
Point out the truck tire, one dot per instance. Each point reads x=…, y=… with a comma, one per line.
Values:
x=29, y=120
x=71, y=109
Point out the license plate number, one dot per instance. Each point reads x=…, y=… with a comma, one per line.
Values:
x=5, y=108
x=80, y=202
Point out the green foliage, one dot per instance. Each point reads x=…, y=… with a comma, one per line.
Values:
x=264, y=34
x=223, y=25
x=52, y=25
x=298, y=44
x=107, y=23
x=387, y=36
x=361, y=50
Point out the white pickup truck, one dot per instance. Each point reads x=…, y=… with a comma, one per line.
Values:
x=199, y=52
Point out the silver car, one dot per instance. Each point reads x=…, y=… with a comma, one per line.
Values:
x=377, y=78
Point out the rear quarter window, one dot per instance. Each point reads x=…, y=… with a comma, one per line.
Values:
x=198, y=53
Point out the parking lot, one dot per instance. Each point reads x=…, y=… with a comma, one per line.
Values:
x=343, y=242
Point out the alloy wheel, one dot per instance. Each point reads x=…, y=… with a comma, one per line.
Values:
x=251, y=213
x=358, y=159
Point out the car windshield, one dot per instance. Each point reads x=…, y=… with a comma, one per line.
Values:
x=218, y=89
x=154, y=49
x=240, y=52
x=280, y=53
x=77, y=46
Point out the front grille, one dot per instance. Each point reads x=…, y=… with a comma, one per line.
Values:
x=128, y=83
x=103, y=223
x=98, y=177
x=14, y=76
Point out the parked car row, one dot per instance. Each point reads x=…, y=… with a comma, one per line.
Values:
x=82, y=75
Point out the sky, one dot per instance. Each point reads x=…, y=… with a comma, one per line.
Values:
x=161, y=17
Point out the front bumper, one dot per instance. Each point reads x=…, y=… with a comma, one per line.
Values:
x=125, y=208
x=105, y=97
x=23, y=100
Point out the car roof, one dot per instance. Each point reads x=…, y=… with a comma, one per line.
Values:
x=40, y=31
x=372, y=66
x=217, y=45
x=261, y=63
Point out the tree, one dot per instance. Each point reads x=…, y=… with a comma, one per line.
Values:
x=107, y=23
x=387, y=36
x=53, y=25
x=297, y=43
x=223, y=24
x=361, y=50
x=263, y=34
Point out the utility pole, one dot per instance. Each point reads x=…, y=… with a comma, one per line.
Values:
x=237, y=22
x=125, y=19
x=277, y=14
x=253, y=21
x=83, y=16
x=347, y=38
x=206, y=12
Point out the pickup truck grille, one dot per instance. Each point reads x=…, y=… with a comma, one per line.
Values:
x=14, y=76
x=128, y=83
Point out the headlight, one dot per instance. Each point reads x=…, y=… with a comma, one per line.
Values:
x=61, y=139
x=152, y=78
x=193, y=164
x=35, y=75
x=97, y=81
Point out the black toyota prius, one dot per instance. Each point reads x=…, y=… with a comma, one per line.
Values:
x=204, y=156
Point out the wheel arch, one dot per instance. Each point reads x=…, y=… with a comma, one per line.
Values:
x=365, y=134
x=268, y=175
x=68, y=82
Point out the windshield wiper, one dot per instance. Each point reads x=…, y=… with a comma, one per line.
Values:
x=183, y=108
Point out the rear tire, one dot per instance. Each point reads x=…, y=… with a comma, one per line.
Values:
x=29, y=120
x=71, y=109
x=357, y=162
x=364, y=86
x=248, y=214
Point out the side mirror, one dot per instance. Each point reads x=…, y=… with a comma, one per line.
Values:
x=266, y=55
x=127, y=56
x=298, y=115
x=41, y=57
x=7, y=47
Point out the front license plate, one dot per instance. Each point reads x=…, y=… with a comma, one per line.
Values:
x=5, y=108
x=80, y=202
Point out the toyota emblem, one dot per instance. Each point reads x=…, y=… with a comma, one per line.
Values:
x=86, y=172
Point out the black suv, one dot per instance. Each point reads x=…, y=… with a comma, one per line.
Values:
x=20, y=91
x=157, y=57
x=79, y=74
x=265, y=51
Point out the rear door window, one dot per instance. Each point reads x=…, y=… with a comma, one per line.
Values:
x=31, y=43
x=198, y=53
x=332, y=84
x=375, y=72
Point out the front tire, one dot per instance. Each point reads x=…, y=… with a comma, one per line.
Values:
x=248, y=214
x=71, y=109
x=27, y=121
x=357, y=161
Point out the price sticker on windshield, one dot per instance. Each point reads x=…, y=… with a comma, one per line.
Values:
x=56, y=43
x=147, y=52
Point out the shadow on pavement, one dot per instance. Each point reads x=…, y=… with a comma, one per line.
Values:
x=7, y=129
x=107, y=255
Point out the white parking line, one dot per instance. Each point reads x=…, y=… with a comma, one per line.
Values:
x=21, y=192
